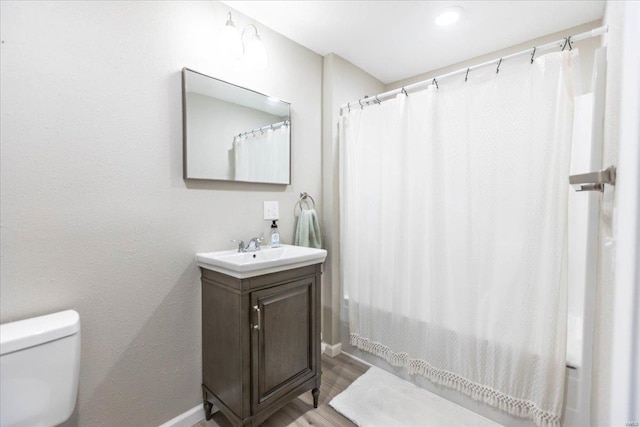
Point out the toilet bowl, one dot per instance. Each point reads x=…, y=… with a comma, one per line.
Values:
x=39, y=369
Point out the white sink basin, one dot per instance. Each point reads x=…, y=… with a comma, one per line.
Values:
x=266, y=260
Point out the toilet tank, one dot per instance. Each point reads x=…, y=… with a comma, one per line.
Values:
x=39, y=369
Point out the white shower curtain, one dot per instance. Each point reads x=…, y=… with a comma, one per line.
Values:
x=453, y=208
x=263, y=156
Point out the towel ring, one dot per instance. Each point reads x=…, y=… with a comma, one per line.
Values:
x=303, y=199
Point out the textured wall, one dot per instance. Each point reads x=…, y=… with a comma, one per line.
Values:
x=95, y=215
x=342, y=82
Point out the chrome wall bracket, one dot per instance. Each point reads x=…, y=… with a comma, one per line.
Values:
x=594, y=181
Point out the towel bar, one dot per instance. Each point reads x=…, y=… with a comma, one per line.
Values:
x=303, y=198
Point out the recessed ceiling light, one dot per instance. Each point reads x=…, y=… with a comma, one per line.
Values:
x=449, y=16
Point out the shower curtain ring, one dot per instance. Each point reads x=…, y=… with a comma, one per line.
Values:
x=349, y=107
x=435, y=82
x=533, y=54
x=360, y=102
x=569, y=42
x=466, y=76
x=566, y=41
x=378, y=101
x=404, y=91
x=498, y=69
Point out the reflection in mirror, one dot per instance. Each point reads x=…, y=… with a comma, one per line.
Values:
x=232, y=133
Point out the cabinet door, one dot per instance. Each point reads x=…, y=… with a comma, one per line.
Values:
x=283, y=353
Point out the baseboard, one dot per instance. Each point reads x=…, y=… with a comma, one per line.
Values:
x=364, y=362
x=188, y=418
x=331, y=350
x=196, y=414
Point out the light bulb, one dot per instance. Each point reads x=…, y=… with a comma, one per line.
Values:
x=230, y=44
x=255, y=54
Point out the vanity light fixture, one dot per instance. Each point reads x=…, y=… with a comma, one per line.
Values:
x=449, y=16
x=233, y=45
x=230, y=42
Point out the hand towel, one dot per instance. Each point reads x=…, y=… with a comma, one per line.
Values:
x=308, y=229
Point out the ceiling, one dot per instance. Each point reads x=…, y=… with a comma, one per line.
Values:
x=394, y=40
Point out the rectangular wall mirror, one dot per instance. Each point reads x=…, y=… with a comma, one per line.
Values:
x=231, y=133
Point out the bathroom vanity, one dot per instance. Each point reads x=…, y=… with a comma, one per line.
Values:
x=260, y=330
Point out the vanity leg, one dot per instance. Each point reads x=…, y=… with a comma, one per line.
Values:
x=316, y=395
x=208, y=406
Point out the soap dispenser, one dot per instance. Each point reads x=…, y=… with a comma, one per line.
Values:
x=275, y=235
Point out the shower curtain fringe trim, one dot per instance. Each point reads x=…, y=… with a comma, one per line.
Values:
x=512, y=405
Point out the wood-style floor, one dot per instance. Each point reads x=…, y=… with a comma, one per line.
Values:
x=337, y=374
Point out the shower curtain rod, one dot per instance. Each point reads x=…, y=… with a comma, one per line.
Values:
x=263, y=128
x=563, y=43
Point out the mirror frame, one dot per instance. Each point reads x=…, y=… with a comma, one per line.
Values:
x=184, y=129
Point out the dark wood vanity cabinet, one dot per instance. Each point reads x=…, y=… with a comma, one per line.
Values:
x=260, y=341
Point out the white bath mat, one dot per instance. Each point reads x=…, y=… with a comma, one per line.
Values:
x=380, y=399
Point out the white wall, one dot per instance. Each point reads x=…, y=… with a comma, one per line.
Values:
x=95, y=213
x=605, y=297
x=625, y=362
x=342, y=82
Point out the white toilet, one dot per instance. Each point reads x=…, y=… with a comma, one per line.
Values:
x=39, y=369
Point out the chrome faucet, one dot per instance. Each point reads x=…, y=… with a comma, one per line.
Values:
x=255, y=241
x=256, y=244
